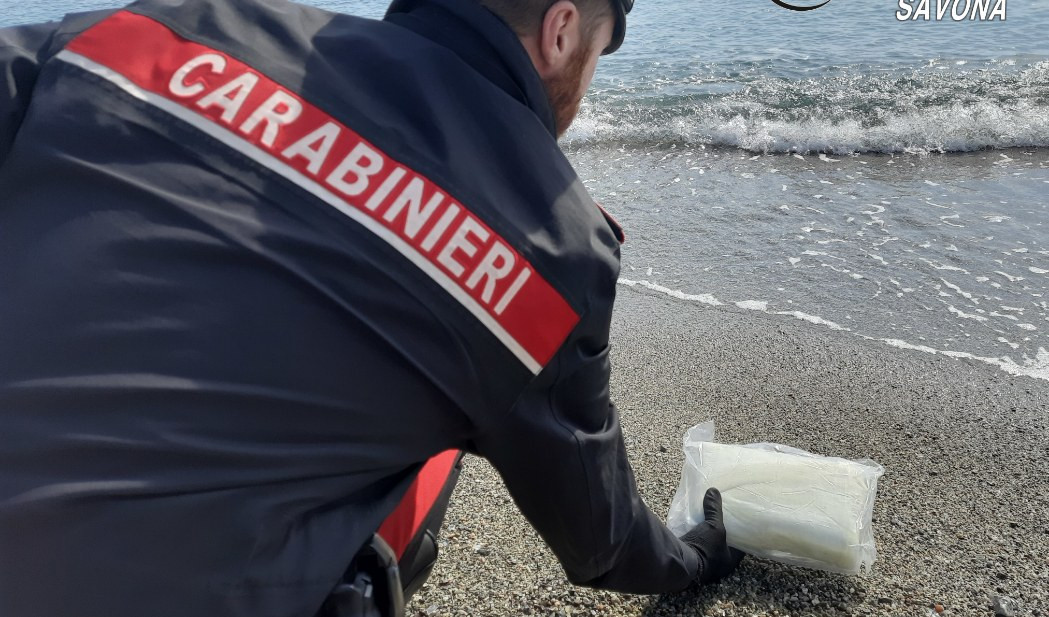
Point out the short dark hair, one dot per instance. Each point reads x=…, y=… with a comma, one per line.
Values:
x=526, y=16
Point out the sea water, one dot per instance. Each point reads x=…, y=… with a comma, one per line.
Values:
x=887, y=179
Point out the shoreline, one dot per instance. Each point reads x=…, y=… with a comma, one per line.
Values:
x=1035, y=368
x=960, y=514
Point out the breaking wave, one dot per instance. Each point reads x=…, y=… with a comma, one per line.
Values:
x=845, y=110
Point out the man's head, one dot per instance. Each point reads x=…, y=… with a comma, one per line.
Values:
x=564, y=39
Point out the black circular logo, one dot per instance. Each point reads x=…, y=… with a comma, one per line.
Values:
x=795, y=7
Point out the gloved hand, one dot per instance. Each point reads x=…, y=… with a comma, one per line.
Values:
x=716, y=558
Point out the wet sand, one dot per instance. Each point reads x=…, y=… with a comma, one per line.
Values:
x=962, y=512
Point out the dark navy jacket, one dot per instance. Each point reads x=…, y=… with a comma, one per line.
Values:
x=258, y=262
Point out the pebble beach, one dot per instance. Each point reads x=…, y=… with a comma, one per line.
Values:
x=838, y=240
x=960, y=520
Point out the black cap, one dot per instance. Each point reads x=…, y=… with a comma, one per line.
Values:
x=619, y=10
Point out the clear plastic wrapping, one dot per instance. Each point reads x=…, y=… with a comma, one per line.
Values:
x=781, y=503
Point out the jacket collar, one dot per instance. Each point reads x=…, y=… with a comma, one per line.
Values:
x=483, y=41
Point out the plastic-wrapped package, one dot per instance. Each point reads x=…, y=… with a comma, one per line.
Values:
x=781, y=503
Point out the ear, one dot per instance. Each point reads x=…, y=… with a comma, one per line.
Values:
x=558, y=38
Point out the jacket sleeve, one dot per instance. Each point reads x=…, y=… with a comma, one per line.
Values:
x=21, y=52
x=560, y=452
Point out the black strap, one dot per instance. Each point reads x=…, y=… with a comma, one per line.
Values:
x=371, y=586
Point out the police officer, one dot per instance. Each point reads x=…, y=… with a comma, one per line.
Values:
x=260, y=262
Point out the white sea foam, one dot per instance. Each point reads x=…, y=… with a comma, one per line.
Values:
x=1036, y=367
x=894, y=342
x=814, y=319
x=939, y=266
x=812, y=253
x=965, y=315
x=1002, y=339
x=673, y=293
x=753, y=305
x=958, y=290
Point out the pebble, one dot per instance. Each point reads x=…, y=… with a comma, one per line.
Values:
x=1004, y=606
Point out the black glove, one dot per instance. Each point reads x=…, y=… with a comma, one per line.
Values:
x=716, y=558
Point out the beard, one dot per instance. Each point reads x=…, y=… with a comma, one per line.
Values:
x=565, y=90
